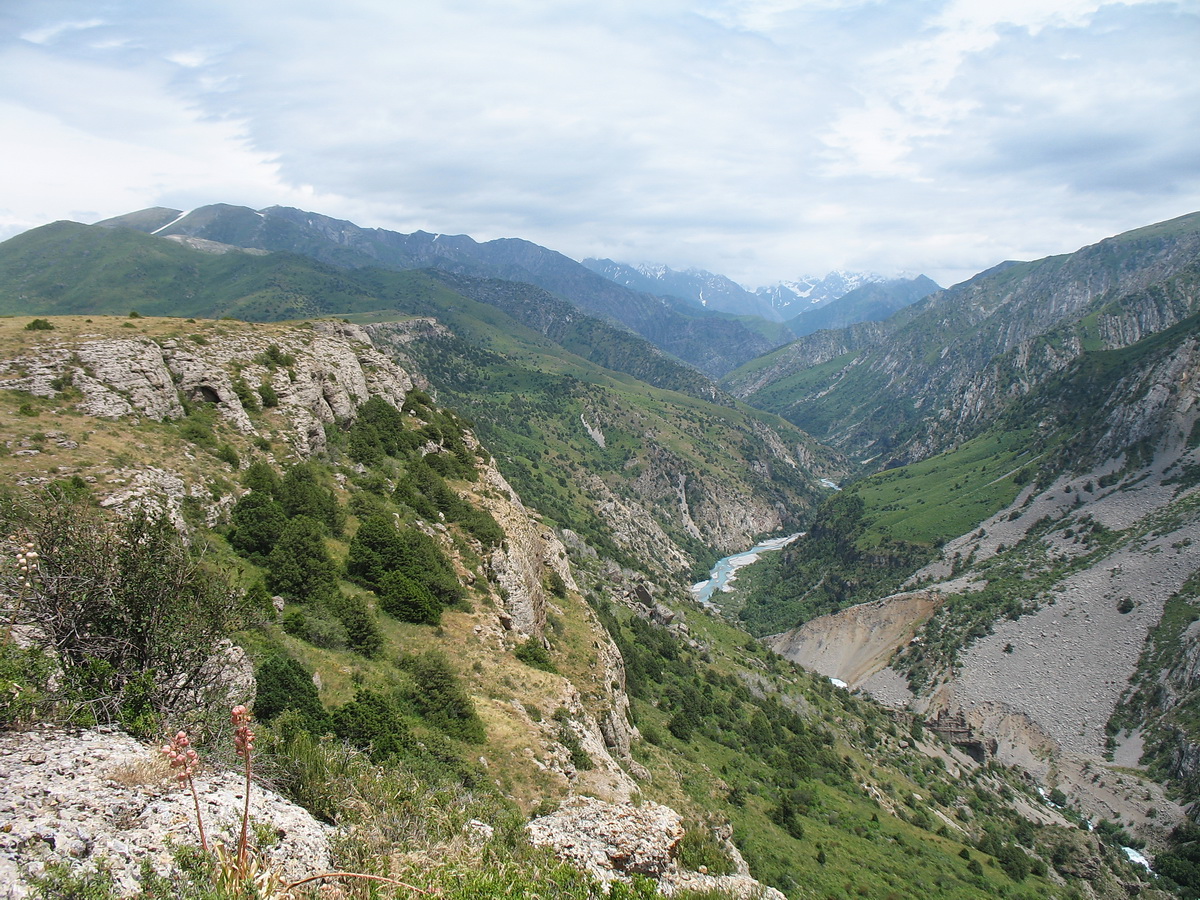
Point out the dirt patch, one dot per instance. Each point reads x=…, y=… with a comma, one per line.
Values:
x=854, y=644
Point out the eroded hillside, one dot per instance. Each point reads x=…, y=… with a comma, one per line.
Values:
x=1056, y=634
x=514, y=667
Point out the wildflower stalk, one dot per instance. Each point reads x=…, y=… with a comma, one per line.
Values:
x=182, y=757
x=243, y=743
x=238, y=872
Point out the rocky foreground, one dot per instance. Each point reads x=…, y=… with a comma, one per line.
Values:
x=98, y=797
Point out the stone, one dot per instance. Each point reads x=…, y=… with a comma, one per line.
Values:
x=114, y=799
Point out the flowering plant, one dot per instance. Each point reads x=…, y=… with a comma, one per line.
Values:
x=239, y=870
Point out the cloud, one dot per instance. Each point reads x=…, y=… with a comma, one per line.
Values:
x=762, y=138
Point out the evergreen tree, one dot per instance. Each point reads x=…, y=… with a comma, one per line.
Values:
x=362, y=631
x=258, y=521
x=260, y=476
x=408, y=600
x=375, y=549
x=440, y=698
x=283, y=684
x=299, y=566
x=372, y=722
x=302, y=494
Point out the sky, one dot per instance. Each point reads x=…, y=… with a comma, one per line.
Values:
x=761, y=139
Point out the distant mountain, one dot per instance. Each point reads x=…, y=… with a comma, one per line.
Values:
x=873, y=302
x=697, y=286
x=66, y=268
x=712, y=344
x=940, y=370
x=790, y=298
x=775, y=303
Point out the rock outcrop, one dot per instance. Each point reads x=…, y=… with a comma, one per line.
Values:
x=617, y=841
x=320, y=372
x=98, y=797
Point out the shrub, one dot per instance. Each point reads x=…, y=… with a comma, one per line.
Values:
x=258, y=521
x=569, y=739
x=260, y=476
x=379, y=547
x=372, y=722
x=534, y=654
x=440, y=699
x=273, y=358
x=128, y=614
x=284, y=684
x=39, y=325
x=408, y=600
x=362, y=631
x=267, y=394
x=302, y=494
x=299, y=567
x=25, y=680
x=699, y=848
x=227, y=454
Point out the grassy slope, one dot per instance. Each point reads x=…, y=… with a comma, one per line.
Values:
x=526, y=390
x=864, y=831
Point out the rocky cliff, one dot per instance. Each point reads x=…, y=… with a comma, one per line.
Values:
x=950, y=363
x=1062, y=636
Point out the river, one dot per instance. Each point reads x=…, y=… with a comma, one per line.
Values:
x=724, y=572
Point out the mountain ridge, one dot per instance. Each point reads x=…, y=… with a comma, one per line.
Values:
x=713, y=345
x=931, y=373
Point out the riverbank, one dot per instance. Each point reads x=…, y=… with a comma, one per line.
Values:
x=724, y=572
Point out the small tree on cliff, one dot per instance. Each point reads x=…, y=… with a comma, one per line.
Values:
x=130, y=616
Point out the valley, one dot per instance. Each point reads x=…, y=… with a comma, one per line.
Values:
x=974, y=674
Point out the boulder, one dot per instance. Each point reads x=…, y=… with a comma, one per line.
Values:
x=97, y=796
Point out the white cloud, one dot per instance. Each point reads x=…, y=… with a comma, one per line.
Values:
x=762, y=138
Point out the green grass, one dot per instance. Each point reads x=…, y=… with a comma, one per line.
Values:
x=947, y=495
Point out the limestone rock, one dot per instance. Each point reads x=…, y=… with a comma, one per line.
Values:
x=608, y=839
x=616, y=841
x=95, y=796
x=119, y=377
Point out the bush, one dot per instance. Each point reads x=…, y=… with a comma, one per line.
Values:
x=249, y=398
x=408, y=600
x=227, y=454
x=258, y=521
x=39, y=325
x=440, y=699
x=284, y=684
x=534, y=654
x=699, y=848
x=372, y=722
x=379, y=548
x=302, y=493
x=362, y=631
x=25, y=680
x=299, y=566
x=128, y=614
x=266, y=393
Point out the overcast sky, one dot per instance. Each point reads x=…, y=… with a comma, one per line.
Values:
x=762, y=139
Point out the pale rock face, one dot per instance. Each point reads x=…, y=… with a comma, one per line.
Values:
x=635, y=529
x=529, y=549
x=120, y=377
x=608, y=840
x=200, y=381
x=153, y=489
x=617, y=841
x=518, y=568
x=81, y=797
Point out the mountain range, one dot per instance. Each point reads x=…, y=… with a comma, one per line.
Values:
x=778, y=303
x=997, y=484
